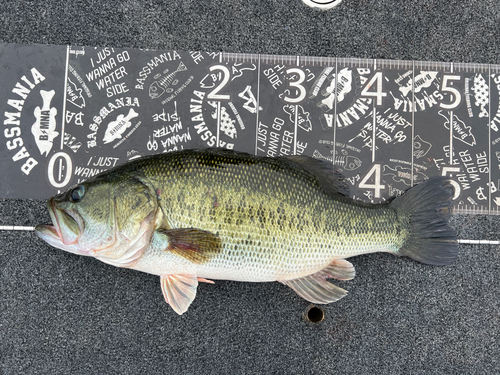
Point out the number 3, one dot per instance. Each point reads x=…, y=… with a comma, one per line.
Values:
x=298, y=85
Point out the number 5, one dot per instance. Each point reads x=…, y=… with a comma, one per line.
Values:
x=452, y=90
x=455, y=184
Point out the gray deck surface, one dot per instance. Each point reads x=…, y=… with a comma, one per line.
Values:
x=64, y=314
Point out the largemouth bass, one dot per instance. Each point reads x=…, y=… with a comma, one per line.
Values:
x=200, y=215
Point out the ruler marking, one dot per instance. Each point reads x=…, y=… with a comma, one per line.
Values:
x=412, y=124
x=218, y=123
x=451, y=126
x=374, y=118
x=295, y=129
x=257, y=106
x=489, y=144
x=63, y=122
x=489, y=69
x=335, y=112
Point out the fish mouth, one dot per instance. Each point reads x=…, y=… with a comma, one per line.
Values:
x=66, y=229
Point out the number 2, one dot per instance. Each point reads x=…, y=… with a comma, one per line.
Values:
x=214, y=94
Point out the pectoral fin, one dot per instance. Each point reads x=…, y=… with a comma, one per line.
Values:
x=179, y=291
x=196, y=245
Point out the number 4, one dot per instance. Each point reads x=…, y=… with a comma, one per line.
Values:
x=377, y=186
x=376, y=81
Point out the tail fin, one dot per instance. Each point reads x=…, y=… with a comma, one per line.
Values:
x=424, y=211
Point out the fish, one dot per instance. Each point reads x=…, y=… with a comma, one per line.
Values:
x=200, y=215
x=44, y=129
x=345, y=161
x=116, y=128
x=160, y=86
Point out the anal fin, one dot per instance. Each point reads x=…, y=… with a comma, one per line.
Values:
x=316, y=288
x=339, y=269
x=179, y=291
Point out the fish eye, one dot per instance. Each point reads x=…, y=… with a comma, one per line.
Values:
x=77, y=193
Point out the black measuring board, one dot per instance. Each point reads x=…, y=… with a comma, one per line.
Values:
x=70, y=112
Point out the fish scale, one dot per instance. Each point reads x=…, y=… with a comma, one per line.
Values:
x=196, y=215
x=300, y=243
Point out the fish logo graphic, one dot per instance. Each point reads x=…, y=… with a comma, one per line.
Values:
x=226, y=122
x=481, y=94
x=338, y=88
x=460, y=131
x=347, y=162
x=74, y=94
x=303, y=117
x=420, y=147
x=401, y=174
x=44, y=128
x=163, y=84
x=421, y=81
x=350, y=163
x=116, y=128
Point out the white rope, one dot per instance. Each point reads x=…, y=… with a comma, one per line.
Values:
x=15, y=227
x=468, y=242
x=479, y=242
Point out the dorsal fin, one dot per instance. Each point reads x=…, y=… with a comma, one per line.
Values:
x=330, y=179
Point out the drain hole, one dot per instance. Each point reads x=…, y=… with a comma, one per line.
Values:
x=315, y=314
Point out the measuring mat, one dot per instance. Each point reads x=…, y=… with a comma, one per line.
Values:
x=72, y=112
